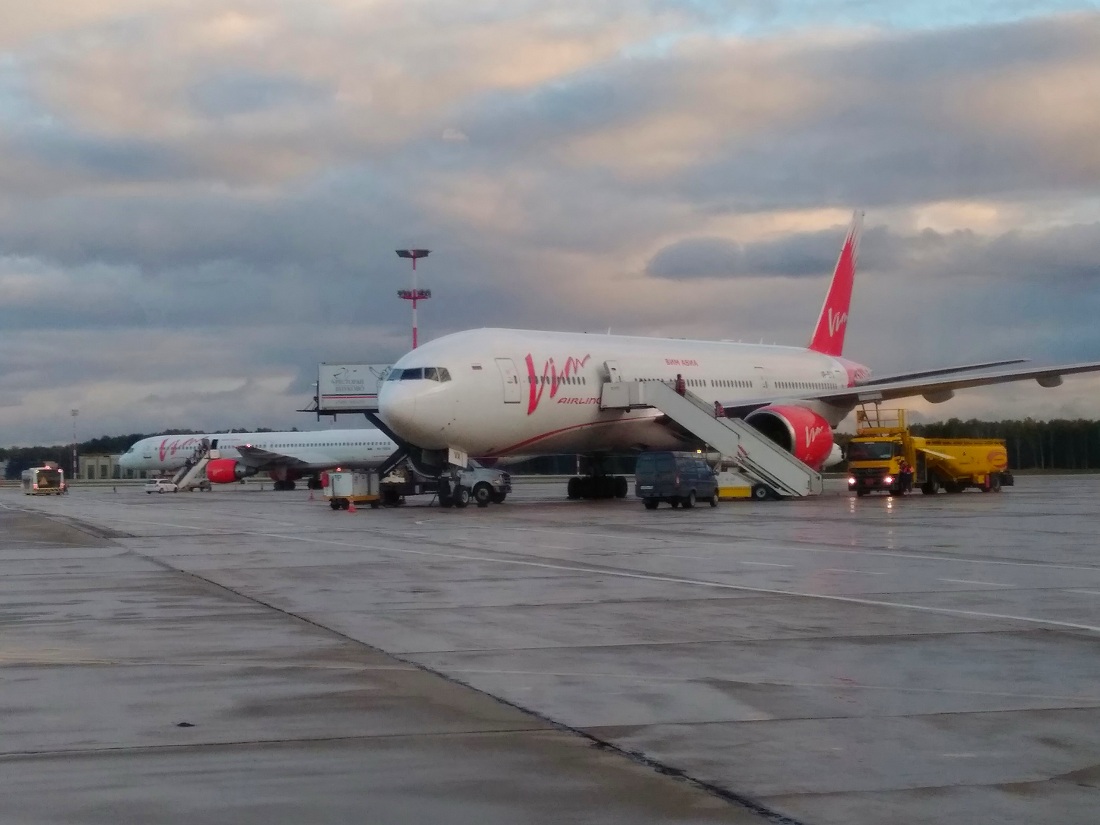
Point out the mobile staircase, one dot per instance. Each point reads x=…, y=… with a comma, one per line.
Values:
x=758, y=457
x=193, y=473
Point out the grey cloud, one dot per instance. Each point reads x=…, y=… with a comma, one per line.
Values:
x=795, y=256
x=233, y=93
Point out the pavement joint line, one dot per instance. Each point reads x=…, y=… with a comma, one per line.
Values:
x=655, y=765
x=725, y=545
x=948, y=611
x=238, y=743
x=836, y=685
x=972, y=581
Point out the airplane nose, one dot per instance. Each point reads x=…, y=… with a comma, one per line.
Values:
x=404, y=411
x=398, y=409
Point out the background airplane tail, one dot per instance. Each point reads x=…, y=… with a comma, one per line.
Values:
x=828, y=337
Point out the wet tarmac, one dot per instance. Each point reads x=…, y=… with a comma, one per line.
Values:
x=245, y=656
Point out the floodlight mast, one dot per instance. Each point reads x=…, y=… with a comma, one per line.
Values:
x=415, y=295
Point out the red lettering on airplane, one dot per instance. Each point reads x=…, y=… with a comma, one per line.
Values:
x=166, y=450
x=681, y=362
x=551, y=376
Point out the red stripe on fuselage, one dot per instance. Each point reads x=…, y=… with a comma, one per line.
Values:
x=543, y=436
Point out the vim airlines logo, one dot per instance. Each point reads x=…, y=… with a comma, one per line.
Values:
x=812, y=434
x=550, y=376
x=166, y=450
x=836, y=322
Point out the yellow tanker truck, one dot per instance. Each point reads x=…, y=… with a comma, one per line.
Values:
x=883, y=440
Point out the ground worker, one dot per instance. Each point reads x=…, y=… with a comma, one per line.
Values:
x=681, y=384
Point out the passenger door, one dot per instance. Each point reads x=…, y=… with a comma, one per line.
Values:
x=510, y=376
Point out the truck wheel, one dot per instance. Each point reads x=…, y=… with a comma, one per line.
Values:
x=650, y=503
x=674, y=502
x=374, y=504
x=334, y=504
x=995, y=483
x=760, y=492
x=499, y=497
x=483, y=494
x=714, y=499
x=689, y=502
x=621, y=487
x=932, y=486
x=461, y=497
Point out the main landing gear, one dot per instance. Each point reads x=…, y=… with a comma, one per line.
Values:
x=597, y=487
x=284, y=486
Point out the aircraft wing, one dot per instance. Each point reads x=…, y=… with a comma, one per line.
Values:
x=905, y=376
x=934, y=388
x=259, y=459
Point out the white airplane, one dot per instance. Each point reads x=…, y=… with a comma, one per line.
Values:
x=285, y=457
x=510, y=393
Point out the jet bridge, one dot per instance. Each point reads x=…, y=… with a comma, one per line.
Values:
x=758, y=457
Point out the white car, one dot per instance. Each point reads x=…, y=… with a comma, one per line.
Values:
x=161, y=485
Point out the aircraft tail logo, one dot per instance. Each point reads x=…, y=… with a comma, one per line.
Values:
x=828, y=337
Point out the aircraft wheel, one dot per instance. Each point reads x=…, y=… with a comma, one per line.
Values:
x=461, y=497
x=572, y=489
x=483, y=494
x=650, y=503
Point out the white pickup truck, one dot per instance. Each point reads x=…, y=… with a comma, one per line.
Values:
x=482, y=485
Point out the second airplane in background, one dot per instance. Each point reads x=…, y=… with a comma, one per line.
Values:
x=285, y=457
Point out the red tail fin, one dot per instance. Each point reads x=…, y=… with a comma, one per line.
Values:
x=828, y=337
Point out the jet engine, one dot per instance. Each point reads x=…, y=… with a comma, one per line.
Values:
x=226, y=471
x=800, y=431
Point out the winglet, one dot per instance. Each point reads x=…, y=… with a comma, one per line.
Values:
x=828, y=337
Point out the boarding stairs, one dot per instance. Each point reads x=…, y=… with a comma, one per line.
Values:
x=193, y=473
x=757, y=456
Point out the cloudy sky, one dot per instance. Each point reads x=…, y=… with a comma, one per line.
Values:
x=200, y=199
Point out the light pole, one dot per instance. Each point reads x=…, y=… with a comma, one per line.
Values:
x=74, y=414
x=414, y=294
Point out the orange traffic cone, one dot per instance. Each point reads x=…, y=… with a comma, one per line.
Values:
x=351, y=506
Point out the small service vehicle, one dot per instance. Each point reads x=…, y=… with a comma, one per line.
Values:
x=346, y=488
x=161, y=485
x=681, y=479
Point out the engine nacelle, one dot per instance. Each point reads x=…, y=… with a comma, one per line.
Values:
x=800, y=431
x=226, y=471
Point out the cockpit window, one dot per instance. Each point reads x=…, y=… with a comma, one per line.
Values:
x=415, y=373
